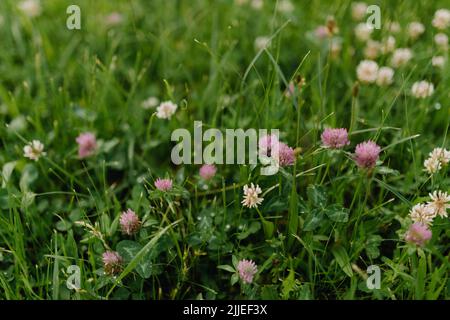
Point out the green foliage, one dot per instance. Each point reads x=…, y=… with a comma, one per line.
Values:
x=322, y=222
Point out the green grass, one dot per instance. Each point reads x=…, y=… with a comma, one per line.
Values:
x=330, y=220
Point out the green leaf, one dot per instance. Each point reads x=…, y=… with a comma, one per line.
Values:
x=63, y=225
x=342, y=259
x=7, y=171
x=243, y=173
x=288, y=285
x=314, y=220
x=292, y=216
x=386, y=171
x=275, y=204
x=9, y=201
x=372, y=244
x=437, y=278
x=226, y=268
x=253, y=228
x=129, y=250
x=29, y=175
x=27, y=199
x=337, y=213
x=269, y=292
x=317, y=196
x=420, y=277
x=107, y=146
x=269, y=228
x=234, y=279
x=234, y=261
x=141, y=254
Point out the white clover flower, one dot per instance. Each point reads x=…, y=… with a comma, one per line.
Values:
x=443, y=155
x=441, y=19
x=31, y=8
x=251, y=196
x=363, y=31
x=394, y=26
x=437, y=158
x=422, y=213
x=285, y=6
x=438, y=61
x=262, y=42
x=385, y=76
x=34, y=150
x=441, y=41
x=367, y=71
x=401, y=57
x=335, y=47
x=440, y=202
x=166, y=110
x=257, y=4
x=388, y=45
x=415, y=29
x=150, y=102
x=372, y=49
x=359, y=10
x=422, y=89
x=432, y=165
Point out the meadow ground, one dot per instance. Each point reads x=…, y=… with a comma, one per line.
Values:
x=92, y=205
